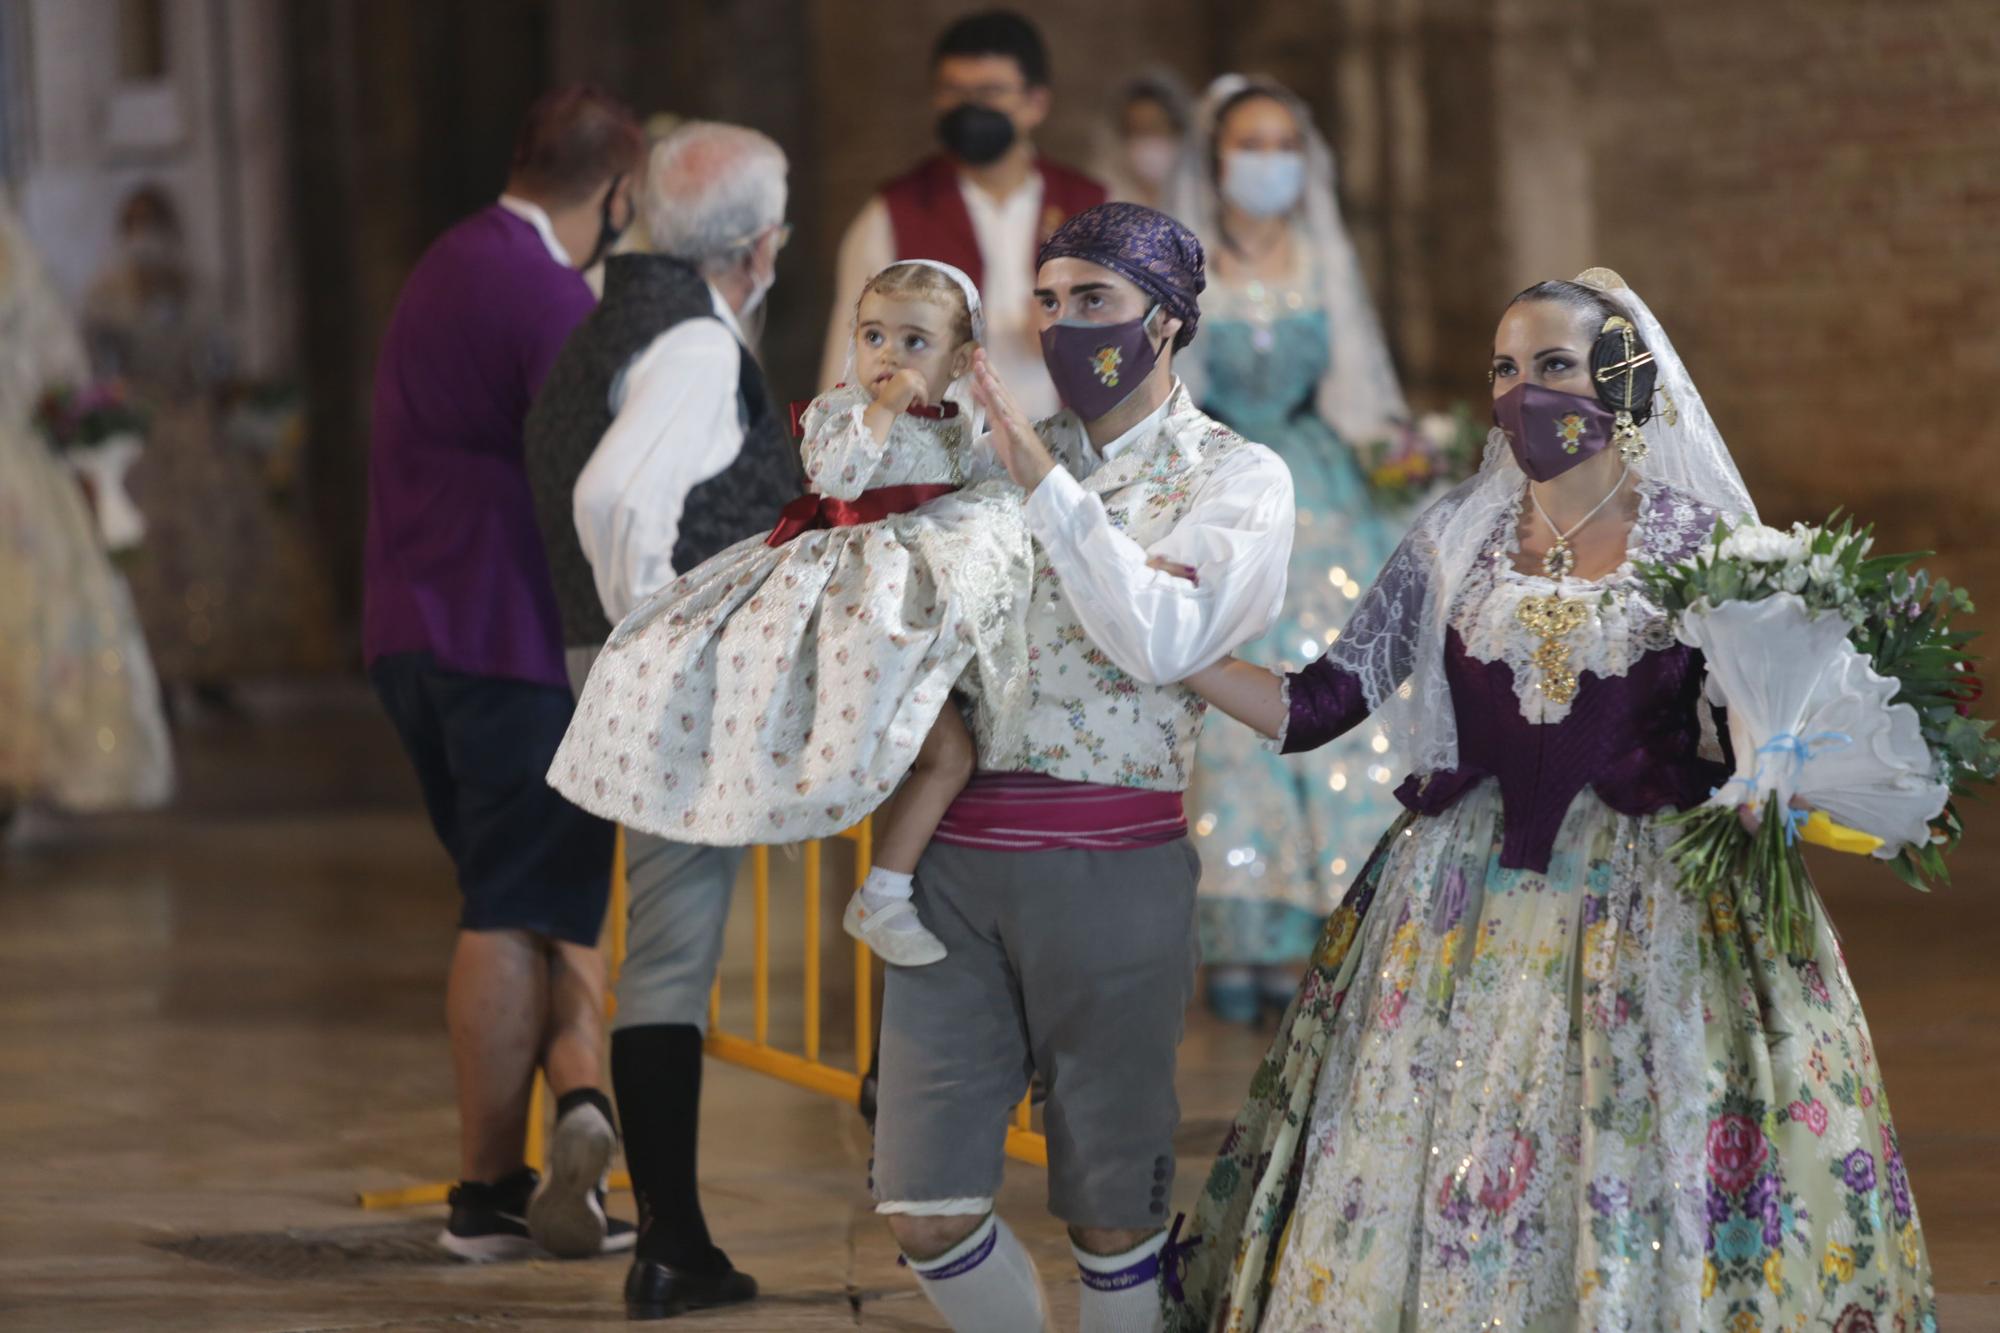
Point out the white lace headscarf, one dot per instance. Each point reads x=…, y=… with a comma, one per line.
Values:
x=960, y=392
x=1110, y=163
x=1359, y=395
x=1395, y=641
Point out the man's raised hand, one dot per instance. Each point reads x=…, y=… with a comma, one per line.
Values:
x=1015, y=443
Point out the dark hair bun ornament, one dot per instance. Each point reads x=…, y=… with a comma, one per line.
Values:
x=1623, y=370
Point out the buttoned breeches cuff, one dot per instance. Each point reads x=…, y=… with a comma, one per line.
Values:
x=1075, y=964
x=936, y=1207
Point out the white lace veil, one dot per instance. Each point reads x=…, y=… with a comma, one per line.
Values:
x=1395, y=641
x=960, y=392
x=1359, y=395
x=1108, y=160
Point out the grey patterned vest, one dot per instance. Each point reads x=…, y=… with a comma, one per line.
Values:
x=644, y=296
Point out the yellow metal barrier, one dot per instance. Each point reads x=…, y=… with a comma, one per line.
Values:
x=805, y=1069
x=755, y=1052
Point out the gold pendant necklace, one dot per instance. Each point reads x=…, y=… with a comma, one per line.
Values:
x=1560, y=559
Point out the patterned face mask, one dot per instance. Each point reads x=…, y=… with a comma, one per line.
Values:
x=1550, y=431
x=1096, y=366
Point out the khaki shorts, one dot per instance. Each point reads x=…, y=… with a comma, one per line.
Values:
x=1077, y=965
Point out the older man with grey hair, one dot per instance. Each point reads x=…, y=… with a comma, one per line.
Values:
x=654, y=445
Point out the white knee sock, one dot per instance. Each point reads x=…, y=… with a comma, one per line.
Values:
x=986, y=1284
x=882, y=885
x=1121, y=1292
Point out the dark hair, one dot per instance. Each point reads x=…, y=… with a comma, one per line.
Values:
x=1615, y=342
x=997, y=32
x=150, y=202
x=1163, y=92
x=574, y=139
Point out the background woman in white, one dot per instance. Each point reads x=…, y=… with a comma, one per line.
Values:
x=80, y=723
x=1293, y=357
x=1144, y=138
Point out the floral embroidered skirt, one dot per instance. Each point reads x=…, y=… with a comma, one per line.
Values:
x=1572, y=1100
x=779, y=693
x=80, y=719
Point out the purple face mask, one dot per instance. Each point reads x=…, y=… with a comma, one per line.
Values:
x=1095, y=366
x=1550, y=431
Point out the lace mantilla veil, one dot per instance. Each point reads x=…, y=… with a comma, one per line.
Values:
x=960, y=392
x=1359, y=395
x=1395, y=641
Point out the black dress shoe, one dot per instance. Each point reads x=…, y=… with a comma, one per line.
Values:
x=655, y=1290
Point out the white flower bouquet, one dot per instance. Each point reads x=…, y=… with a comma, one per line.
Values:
x=1848, y=696
x=99, y=434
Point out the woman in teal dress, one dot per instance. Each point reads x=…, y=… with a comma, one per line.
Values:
x=1292, y=356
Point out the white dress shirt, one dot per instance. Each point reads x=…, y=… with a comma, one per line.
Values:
x=1007, y=231
x=674, y=426
x=1237, y=534
x=533, y=215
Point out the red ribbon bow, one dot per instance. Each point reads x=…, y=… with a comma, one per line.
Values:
x=819, y=511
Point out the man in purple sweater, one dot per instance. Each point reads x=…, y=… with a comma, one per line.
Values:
x=465, y=650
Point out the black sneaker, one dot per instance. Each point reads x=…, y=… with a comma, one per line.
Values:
x=489, y=1223
x=619, y=1235
x=566, y=1215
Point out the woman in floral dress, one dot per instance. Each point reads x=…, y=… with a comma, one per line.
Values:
x=1528, y=1081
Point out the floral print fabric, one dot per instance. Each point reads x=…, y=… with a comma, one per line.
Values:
x=780, y=693
x=1572, y=1100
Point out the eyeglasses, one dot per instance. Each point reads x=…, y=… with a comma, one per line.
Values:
x=783, y=231
x=983, y=94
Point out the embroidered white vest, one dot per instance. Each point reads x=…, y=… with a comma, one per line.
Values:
x=1086, y=720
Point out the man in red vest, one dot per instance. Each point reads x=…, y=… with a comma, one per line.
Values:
x=985, y=204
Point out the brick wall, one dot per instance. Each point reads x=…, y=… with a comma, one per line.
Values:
x=1809, y=192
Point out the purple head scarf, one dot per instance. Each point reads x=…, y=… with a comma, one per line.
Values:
x=1144, y=246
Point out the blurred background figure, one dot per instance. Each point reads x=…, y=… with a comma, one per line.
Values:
x=464, y=648
x=984, y=204
x=633, y=240
x=227, y=584
x=80, y=724
x=1292, y=355
x=1145, y=138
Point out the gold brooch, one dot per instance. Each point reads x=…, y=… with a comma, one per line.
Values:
x=1553, y=619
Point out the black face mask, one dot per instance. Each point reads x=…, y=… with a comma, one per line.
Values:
x=608, y=231
x=975, y=134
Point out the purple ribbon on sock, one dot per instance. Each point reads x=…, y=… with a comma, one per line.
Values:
x=964, y=1264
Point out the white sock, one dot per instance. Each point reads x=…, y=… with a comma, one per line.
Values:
x=1121, y=1292
x=986, y=1284
x=884, y=885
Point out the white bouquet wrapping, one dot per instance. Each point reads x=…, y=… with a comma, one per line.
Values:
x=1811, y=720
x=1850, y=696
x=102, y=468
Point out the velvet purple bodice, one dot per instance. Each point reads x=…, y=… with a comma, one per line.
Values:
x=1634, y=739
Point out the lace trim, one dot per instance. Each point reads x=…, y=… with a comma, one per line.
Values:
x=1625, y=624
x=1276, y=744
